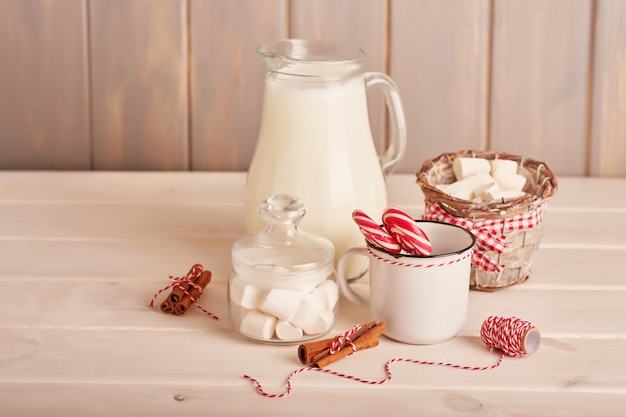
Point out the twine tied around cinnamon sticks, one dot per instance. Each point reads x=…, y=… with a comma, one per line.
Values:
x=324, y=352
x=186, y=290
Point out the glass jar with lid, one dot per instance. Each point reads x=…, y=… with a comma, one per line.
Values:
x=282, y=287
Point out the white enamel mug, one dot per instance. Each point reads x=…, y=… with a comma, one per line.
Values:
x=421, y=299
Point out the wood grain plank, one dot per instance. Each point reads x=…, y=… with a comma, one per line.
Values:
x=608, y=124
x=150, y=261
x=356, y=22
x=163, y=206
x=563, y=229
x=590, y=193
x=584, y=194
x=539, y=81
x=141, y=341
x=44, y=118
x=439, y=59
x=560, y=267
x=236, y=397
x=227, y=78
x=553, y=266
x=139, y=84
x=271, y=363
x=77, y=333
x=359, y=23
x=574, y=193
x=104, y=187
x=119, y=222
x=119, y=303
x=123, y=221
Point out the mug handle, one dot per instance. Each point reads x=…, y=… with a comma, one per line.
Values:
x=342, y=280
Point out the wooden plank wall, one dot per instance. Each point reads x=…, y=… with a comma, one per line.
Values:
x=176, y=85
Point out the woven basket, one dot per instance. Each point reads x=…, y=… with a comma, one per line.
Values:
x=541, y=184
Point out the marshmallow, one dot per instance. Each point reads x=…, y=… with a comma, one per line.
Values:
x=484, y=192
x=327, y=293
x=509, y=180
x=505, y=164
x=280, y=303
x=466, y=167
x=285, y=331
x=306, y=311
x=258, y=325
x=322, y=323
x=464, y=189
x=245, y=295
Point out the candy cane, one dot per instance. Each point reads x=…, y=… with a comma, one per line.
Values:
x=405, y=231
x=375, y=234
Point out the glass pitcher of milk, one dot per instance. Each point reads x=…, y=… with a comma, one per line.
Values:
x=315, y=140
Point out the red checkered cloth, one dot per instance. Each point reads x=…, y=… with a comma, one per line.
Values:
x=489, y=234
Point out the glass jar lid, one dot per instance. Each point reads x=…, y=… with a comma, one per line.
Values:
x=282, y=248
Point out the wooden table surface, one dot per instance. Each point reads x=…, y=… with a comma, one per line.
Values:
x=83, y=253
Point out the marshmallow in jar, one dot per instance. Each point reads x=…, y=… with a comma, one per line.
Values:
x=282, y=287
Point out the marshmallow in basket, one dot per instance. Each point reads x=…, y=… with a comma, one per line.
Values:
x=483, y=180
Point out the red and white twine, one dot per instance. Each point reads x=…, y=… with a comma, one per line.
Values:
x=499, y=333
x=505, y=334
x=344, y=340
x=417, y=265
x=194, y=273
x=261, y=391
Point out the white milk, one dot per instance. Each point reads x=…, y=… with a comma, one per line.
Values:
x=315, y=143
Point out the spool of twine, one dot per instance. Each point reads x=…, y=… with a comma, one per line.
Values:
x=513, y=336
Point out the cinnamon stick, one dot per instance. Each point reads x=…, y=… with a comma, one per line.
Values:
x=308, y=352
x=368, y=340
x=167, y=306
x=178, y=292
x=318, y=353
x=202, y=281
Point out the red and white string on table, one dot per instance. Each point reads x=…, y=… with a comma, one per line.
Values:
x=511, y=336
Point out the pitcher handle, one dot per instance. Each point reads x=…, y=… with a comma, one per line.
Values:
x=396, y=148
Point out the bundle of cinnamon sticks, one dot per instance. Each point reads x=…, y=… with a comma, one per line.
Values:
x=319, y=353
x=184, y=293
